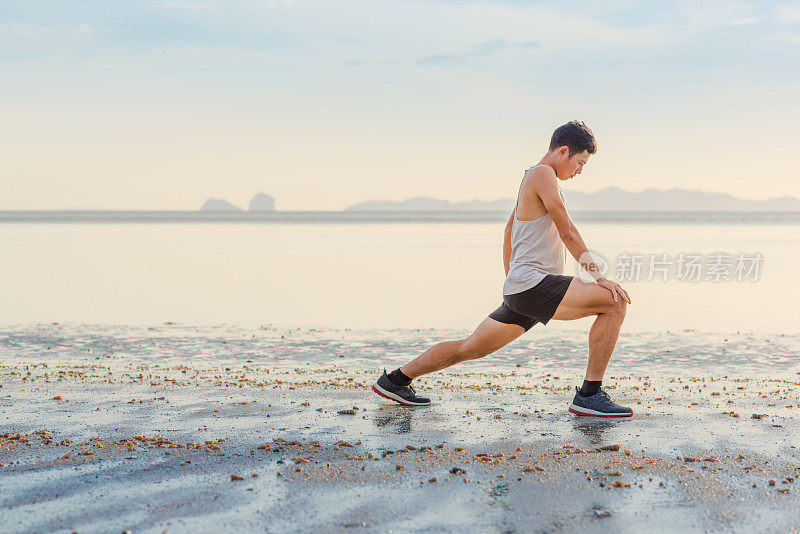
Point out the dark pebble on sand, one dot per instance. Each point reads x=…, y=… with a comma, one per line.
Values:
x=599, y=513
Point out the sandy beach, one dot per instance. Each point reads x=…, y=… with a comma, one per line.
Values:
x=97, y=440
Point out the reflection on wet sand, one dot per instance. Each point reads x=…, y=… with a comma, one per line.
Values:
x=496, y=496
x=397, y=418
x=594, y=428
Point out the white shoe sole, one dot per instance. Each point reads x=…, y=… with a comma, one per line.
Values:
x=580, y=410
x=391, y=396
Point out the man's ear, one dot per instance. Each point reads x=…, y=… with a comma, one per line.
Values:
x=563, y=152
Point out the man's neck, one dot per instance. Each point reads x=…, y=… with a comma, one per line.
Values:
x=549, y=160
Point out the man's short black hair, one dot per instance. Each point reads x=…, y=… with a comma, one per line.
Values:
x=576, y=136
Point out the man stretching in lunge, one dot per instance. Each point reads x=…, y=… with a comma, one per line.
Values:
x=535, y=290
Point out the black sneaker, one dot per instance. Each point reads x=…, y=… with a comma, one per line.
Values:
x=598, y=405
x=405, y=395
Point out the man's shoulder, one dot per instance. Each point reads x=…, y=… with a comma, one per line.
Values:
x=541, y=177
x=540, y=170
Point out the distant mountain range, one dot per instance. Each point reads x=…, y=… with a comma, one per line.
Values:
x=608, y=199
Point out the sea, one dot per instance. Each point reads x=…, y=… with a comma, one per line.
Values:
x=364, y=287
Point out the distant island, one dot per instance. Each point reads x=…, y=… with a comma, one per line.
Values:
x=608, y=199
x=259, y=203
x=262, y=202
x=219, y=205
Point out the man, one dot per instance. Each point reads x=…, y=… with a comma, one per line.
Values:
x=535, y=290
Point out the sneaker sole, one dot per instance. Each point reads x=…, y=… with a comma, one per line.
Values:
x=391, y=396
x=579, y=410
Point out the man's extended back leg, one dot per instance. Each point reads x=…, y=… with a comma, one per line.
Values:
x=487, y=338
x=490, y=336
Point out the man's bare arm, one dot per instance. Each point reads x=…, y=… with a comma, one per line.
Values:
x=507, y=242
x=545, y=185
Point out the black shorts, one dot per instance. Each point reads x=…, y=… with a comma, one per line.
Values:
x=535, y=305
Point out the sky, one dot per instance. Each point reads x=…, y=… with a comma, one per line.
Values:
x=159, y=105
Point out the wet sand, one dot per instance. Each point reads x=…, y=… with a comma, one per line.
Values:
x=104, y=445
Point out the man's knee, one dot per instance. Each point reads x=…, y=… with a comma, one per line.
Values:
x=619, y=308
x=469, y=350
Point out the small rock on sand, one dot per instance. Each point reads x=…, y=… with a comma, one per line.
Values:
x=528, y=468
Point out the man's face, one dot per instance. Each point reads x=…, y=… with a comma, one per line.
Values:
x=569, y=167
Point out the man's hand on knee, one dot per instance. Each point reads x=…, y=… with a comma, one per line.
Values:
x=615, y=288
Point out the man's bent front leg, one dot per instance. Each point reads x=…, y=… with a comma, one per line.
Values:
x=490, y=336
x=602, y=340
x=583, y=300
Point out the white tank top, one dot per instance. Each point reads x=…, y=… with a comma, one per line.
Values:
x=536, y=251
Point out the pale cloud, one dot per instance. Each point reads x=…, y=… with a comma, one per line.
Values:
x=38, y=30
x=479, y=50
x=788, y=13
x=744, y=22
x=711, y=14
x=787, y=37
x=270, y=4
x=188, y=5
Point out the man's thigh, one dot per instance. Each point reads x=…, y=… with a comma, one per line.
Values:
x=583, y=299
